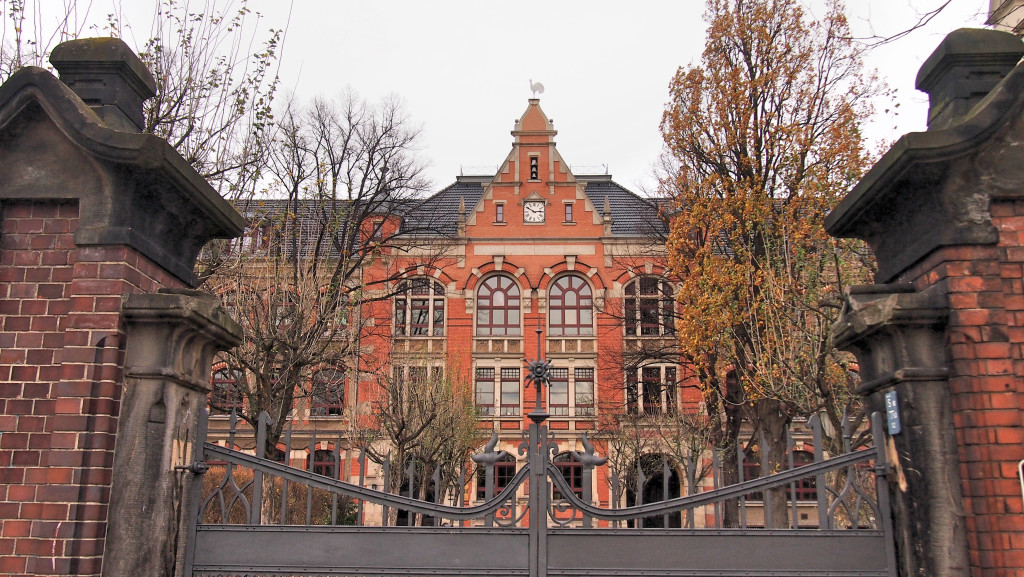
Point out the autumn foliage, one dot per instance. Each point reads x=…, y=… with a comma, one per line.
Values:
x=763, y=137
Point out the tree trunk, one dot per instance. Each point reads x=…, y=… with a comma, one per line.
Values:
x=725, y=436
x=770, y=416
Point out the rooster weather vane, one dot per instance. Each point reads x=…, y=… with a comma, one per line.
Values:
x=536, y=87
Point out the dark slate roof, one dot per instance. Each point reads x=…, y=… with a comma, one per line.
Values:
x=265, y=215
x=632, y=215
x=440, y=211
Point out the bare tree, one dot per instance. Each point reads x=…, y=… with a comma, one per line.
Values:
x=420, y=416
x=321, y=251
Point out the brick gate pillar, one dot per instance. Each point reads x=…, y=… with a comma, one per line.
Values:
x=944, y=212
x=91, y=210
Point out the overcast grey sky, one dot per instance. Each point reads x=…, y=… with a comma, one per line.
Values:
x=463, y=67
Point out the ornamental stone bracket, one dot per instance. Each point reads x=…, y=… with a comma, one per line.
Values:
x=171, y=338
x=898, y=337
x=896, y=333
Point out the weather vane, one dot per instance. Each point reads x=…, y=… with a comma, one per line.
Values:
x=536, y=87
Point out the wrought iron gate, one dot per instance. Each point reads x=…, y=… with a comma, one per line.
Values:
x=546, y=537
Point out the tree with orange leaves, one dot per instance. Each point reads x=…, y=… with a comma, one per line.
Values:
x=763, y=138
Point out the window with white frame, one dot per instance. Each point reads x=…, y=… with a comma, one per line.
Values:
x=497, y=391
x=584, y=391
x=652, y=390
x=419, y=308
x=648, y=307
x=558, y=391
x=485, y=401
x=571, y=391
x=498, y=307
x=571, y=307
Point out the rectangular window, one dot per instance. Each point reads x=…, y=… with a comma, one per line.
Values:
x=652, y=390
x=418, y=375
x=510, y=387
x=584, y=391
x=568, y=213
x=558, y=392
x=499, y=213
x=632, y=394
x=485, y=391
x=328, y=399
x=420, y=317
x=534, y=168
x=670, y=390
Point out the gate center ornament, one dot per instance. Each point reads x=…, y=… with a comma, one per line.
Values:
x=537, y=372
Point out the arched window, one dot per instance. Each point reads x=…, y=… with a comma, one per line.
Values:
x=660, y=483
x=497, y=308
x=322, y=462
x=227, y=390
x=571, y=307
x=504, y=471
x=328, y=398
x=572, y=472
x=419, y=308
x=648, y=307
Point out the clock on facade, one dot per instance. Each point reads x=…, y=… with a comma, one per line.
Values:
x=533, y=211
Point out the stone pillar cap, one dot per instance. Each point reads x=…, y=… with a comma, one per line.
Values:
x=108, y=76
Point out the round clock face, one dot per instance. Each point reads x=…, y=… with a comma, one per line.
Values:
x=533, y=211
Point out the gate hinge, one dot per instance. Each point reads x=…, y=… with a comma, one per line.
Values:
x=195, y=467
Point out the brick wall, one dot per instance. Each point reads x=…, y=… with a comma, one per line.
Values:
x=986, y=346
x=61, y=349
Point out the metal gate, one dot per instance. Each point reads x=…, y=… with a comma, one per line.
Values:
x=546, y=536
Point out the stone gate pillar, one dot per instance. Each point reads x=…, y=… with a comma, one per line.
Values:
x=944, y=212
x=172, y=337
x=93, y=211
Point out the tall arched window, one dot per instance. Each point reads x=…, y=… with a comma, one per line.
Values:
x=660, y=483
x=497, y=308
x=419, y=308
x=571, y=306
x=648, y=307
x=504, y=471
x=572, y=472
